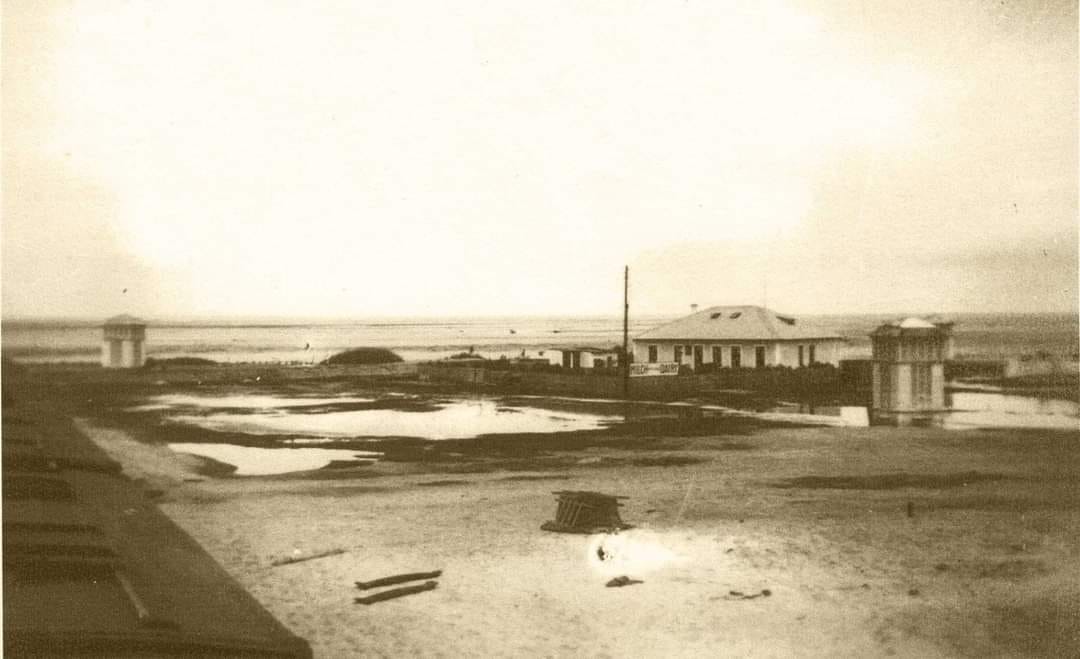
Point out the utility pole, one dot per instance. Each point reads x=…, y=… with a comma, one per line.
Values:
x=626, y=332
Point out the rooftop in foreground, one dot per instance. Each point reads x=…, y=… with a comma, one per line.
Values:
x=93, y=568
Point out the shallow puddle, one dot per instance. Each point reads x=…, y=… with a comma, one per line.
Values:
x=254, y=461
x=461, y=419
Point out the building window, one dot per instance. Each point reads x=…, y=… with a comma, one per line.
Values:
x=717, y=355
x=801, y=362
x=736, y=357
x=759, y=356
x=813, y=357
x=652, y=354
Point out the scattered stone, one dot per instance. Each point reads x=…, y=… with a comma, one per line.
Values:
x=739, y=595
x=619, y=582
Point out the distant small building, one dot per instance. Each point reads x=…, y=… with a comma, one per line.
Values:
x=737, y=337
x=908, y=371
x=584, y=357
x=124, y=342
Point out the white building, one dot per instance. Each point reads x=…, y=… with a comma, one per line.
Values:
x=584, y=357
x=737, y=337
x=123, y=345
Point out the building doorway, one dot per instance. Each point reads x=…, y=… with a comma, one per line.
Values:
x=699, y=357
x=759, y=356
x=736, y=357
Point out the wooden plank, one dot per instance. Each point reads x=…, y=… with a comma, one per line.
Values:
x=394, y=593
x=397, y=578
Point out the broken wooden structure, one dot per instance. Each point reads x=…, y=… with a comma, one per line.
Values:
x=586, y=512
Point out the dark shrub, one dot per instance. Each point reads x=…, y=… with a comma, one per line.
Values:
x=364, y=356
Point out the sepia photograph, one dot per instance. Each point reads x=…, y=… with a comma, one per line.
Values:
x=639, y=328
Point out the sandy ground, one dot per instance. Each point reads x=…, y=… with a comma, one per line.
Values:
x=986, y=564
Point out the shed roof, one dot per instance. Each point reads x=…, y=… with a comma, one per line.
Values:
x=736, y=323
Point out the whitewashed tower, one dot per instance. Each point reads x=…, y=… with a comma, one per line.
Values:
x=123, y=345
x=909, y=371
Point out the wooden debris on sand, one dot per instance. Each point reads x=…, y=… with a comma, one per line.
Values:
x=395, y=593
x=308, y=557
x=586, y=512
x=398, y=578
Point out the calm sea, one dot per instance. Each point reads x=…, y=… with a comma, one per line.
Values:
x=977, y=335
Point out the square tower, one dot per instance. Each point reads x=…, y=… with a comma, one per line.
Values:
x=123, y=345
x=909, y=371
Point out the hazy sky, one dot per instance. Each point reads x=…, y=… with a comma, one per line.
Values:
x=426, y=158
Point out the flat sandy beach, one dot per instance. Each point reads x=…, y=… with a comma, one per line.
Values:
x=766, y=542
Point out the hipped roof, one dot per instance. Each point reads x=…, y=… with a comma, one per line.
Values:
x=125, y=319
x=913, y=326
x=736, y=323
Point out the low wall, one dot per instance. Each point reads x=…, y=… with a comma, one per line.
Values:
x=221, y=373
x=1026, y=367
x=818, y=382
x=960, y=369
x=856, y=374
